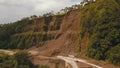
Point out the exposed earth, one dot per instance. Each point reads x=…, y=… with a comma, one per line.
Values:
x=69, y=61
x=63, y=50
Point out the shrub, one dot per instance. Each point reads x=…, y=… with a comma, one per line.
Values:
x=114, y=55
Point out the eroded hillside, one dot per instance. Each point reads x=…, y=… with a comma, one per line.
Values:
x=53, y=33
x=92, y=30
x=68, y=38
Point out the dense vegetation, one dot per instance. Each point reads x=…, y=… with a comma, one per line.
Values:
x=19, y=60
x=30, y=31
x=101, y=20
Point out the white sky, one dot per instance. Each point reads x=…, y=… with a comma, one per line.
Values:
x=13, y=10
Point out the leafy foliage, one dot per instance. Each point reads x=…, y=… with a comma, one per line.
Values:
x=28, y=32
x=114, y=55
x=101, y=20
x=19, y=60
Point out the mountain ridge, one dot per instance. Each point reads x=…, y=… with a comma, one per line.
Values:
x=92, y=30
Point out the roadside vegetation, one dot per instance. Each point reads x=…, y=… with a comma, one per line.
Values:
x=99, y=18
x=19, y=60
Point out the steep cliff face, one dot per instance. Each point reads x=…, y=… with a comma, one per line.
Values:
x=71, y=21
x=35, y=32
x=93, y=30
x=50, y=34
x=68, y=35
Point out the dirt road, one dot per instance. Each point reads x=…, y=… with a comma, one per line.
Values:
x=7, y=52
x=70, y=60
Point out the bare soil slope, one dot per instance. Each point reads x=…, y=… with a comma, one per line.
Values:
x=67, y=42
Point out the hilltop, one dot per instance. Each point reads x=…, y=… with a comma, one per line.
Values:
x=89, y=30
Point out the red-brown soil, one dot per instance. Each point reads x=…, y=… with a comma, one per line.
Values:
x=66, y=43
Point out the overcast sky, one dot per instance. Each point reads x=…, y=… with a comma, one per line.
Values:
x=13, y=10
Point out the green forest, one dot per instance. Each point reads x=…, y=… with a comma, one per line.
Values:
x=19, y=60
x=100, y=19
x=28, y=32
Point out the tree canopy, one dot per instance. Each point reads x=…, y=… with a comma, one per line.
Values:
x=101, y=20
